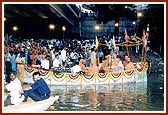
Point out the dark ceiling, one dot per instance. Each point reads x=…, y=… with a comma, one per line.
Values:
x=33, y=19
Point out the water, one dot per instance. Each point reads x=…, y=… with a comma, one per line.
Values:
x=147, y=96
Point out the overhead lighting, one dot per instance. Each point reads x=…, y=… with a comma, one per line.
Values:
x=63, y=28
x=116, y=24
x=97, y=27
x=139, y=14
x=15, y=28
x=51, y=26
x=45, y=17
x=134, y=23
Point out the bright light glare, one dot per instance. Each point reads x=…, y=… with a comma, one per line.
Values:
x=15, y=28
x=97, y=27
x=52, y=26
x=63, y=28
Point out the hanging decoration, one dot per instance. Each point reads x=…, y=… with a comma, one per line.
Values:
x=43, y=72
x=29, y=69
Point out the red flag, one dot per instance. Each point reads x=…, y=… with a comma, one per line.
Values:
x=144, y=39
x=126, y=36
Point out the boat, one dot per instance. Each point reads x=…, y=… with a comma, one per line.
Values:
x=65, y=77
x=30, y=106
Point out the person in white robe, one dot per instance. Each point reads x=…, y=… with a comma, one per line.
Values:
x=15, y=88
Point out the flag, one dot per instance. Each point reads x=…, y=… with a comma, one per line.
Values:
x=114, y=42
x=144, y=39
x=97, y=42
x=126, y=36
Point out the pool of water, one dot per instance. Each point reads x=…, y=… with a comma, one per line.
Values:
x=147, y=96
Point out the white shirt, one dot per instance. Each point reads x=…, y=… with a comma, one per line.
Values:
x=53, y=55
x=45, y=64
x=20, y=59
x=93, y=56
x=63, y=55
x=56, y=63
x=76, y=69
x=72, y=55
x=14, y=87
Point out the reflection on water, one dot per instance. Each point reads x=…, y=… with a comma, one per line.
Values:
x=147, y=96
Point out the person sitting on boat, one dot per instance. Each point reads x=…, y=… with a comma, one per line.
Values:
x=82, y=64
x=117, y=64
x=103, y=66
x=129, y=65
x=76, y=68
x=15, y=89
x=45, y=63
x=56, y=62
x=37, y=91
x=125, y=62
x=93, y=68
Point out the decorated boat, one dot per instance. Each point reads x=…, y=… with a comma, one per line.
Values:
x=138, y=74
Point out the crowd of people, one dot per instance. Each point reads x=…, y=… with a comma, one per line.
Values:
x=58, y=53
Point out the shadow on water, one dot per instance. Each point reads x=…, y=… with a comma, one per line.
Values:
x=147, y=96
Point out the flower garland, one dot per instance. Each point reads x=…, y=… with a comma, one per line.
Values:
x=88, y=75
x=73, y=76
x=43, y=72
x=103, y=78
x=58, y=78
x=115, y=76
x=58, y=75
x=102, y=75
x=128, y=74
x=139, y=71
x=29, y=69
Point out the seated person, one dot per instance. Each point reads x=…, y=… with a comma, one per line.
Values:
x=37, y=91
x=93, y=68
x=15, y=88
x=56, y=62
x=129, y=65
x=125, y=62
x=45, y=63
x=117, y=63
x=103, y=66
x=82, y=64
x=76, y=68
